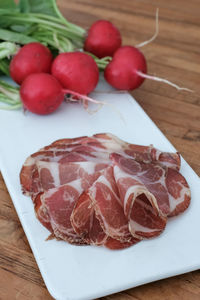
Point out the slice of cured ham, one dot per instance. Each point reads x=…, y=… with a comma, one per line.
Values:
x=97, y=147
x=57, y=205
x=85, y=223
x=179, y=192
x=117, y=245
x=54, y=174
x=108, y=207
x=100, y=190
x=54, y=207
x=170, y=191
x=29, y=176
x=102, y=199
x=145, y=220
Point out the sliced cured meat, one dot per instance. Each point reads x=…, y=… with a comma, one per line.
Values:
x=85, y=223
x=54, y=174
x=142, y=207
x=96, y=235
x=103, y=199
x=148, y=179
x=59, y=151
x=97, y=147
x=54, y=208
x=110, y=142
x=101, y=190
x=168, y=186
x=29, y=172
x=59, y=203
x=179, y=192
x=117, y=245
x=42, y=213
x=108, y=207
x=149, y=154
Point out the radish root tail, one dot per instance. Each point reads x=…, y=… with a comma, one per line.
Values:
x=155, y=78
x=155, y=34
x=87, y=99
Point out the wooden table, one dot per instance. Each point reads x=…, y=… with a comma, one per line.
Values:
x=175, y=55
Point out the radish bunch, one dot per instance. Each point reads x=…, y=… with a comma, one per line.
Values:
x=46, y=80
x=74, y=73
x=104, y=39
x=128, y=67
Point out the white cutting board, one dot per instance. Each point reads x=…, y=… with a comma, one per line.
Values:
x=87, y=272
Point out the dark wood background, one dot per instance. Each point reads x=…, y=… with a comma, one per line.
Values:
x=174, y=55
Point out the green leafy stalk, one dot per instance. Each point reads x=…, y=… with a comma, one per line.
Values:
x=7, y=49
x=27, y=22
x=4, y=66
x=40, y=21
x=9, y=96
x=15, y=37
x=101, y=62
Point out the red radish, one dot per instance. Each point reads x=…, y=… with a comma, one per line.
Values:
x=128, y=69
x=41, y=93
x=76, y=71
x=103, y=39
x=31, y=58
x=122, y=71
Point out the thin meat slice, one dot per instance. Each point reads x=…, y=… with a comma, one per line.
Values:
x=100, y=140
x=101, y=201
x=54, y=174
x=140, y=205
x=96, y=235
x=113, y=244
x=168, y=186
x=42, y=213
x=108, y=207
x=149, y=154
x=29, y=177
x=145, y=178
x=29, y=172
x=57, y=205
x=179, y=192
x=60, y=152
x=97, y=147
x=102, y=198
x=54, y=208
x=101, y=190
x=85, y=223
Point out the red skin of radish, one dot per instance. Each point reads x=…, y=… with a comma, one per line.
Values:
x=103, y=39
x=121, y=72
x=41, y=93
x=76, y=71
x=31, y=58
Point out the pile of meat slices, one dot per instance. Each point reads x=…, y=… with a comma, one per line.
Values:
x=101, y=190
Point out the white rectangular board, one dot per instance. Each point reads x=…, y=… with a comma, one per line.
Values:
x=88, y=272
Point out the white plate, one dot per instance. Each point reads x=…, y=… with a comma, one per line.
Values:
x=88, y=272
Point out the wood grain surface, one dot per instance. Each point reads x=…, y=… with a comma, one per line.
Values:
x=174, y=55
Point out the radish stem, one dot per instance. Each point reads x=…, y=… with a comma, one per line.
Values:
x=155, y=78
x=154, y=36
x=86, y=99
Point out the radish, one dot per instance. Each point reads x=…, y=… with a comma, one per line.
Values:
x=128, y=69
x=122, y=71
x=76, y=71
x=103, y=39
x=31, y=58
x=41, y=93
